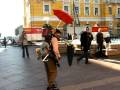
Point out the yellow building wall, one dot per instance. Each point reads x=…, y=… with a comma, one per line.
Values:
x=37, y=10
x=41, y=23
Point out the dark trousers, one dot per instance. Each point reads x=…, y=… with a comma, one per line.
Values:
x=5, y=45
x=100, y=51
x=70, y=54
x=85, y=55
x=25, y=48
x=100, y=47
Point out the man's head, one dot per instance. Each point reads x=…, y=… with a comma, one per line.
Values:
x=52, y=30
x=57, y=33
x=99, y=30
x=23, y=32
x=87, y=28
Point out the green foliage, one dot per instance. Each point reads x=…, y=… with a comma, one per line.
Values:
x=47, y=26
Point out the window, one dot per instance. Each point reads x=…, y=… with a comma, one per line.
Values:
x=110, y=10
x=46, y=8
x=118, y=11
x=66, y=8
x=96, y=1
x=87, y=1
x=77, y=9
x=76, y=0
x=87, y=11
x=96, y=11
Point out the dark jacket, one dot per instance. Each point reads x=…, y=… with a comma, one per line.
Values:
x=86, y=38
x=99, y=38
x=107, y=40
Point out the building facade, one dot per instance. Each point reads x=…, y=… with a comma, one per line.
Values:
x=89, y=12
x=113, y=8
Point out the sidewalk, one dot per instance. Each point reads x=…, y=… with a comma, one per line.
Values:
x=108, y=83
x=1, y=49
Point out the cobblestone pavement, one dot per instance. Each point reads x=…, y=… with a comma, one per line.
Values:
x=17, y=73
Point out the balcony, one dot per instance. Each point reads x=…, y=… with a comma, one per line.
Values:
x=112, y=1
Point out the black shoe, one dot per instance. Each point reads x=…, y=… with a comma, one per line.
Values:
x=52, y=88
x=87, y=63
x=49, y=88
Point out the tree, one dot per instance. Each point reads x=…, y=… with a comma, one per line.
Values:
x=47, y=26
x=18, y=30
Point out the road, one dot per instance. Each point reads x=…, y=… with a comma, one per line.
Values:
x=17, y=73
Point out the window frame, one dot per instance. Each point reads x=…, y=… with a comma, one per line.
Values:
x=118, y=10
x=86, y=2
x=110, y=12
x=68, y=8
x=96, y=2
x=46, y=12
x=88, y=11
x=78, y=12
x=98, y=11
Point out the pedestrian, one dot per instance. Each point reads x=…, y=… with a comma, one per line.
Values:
x=70, y=53
x=86, y=38
x=24, y=42
x=100, y=45
x=53, y=60
x=69, y=36
x=5, y=42
x=13, y=41
x=108, y=41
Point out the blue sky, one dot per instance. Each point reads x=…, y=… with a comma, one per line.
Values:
x=11, y=16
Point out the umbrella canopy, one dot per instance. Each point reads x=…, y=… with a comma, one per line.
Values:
x=64, y=16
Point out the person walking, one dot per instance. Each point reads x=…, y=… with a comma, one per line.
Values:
x=24, y=41
x=100, y=40
x=53, y=59
x=108, y=41
x=86, y=38
x=70, y=53
x=5, y=42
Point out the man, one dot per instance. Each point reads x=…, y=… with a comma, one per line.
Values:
x=100, y=40
x=5, y=42
x=51, y=64
x=86, y=38
x=108, y=41
x=24, y=41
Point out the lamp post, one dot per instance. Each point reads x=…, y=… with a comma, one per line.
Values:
x=73, y=16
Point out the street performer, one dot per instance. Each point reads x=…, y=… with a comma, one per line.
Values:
x=53, y=60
